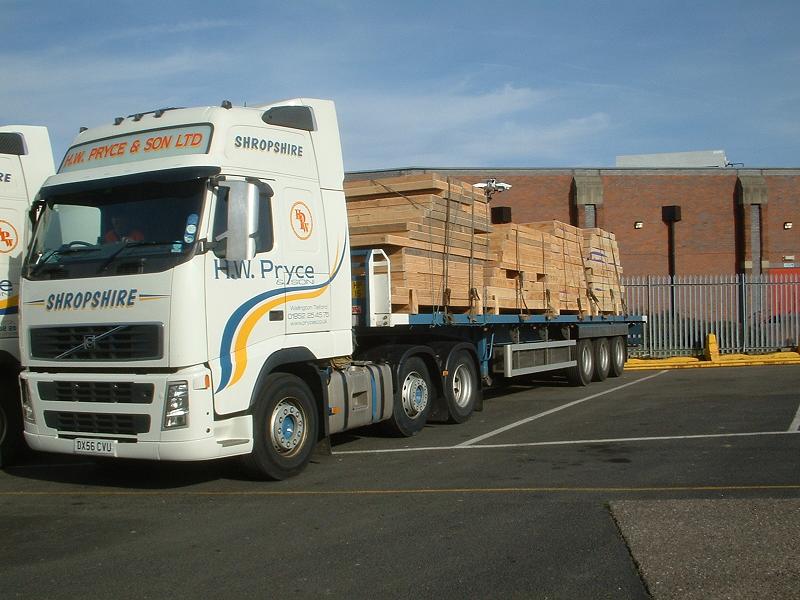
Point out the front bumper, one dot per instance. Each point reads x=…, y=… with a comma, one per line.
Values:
x=81, y=409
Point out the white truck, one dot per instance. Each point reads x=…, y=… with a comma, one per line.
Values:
x=189, y=293
x=26, y=160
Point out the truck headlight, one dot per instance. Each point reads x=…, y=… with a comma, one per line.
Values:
x=27, y=405
x=176, y=406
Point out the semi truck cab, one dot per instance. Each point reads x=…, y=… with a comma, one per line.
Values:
x=180, y=258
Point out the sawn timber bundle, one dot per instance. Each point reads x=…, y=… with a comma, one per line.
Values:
x=445, y=254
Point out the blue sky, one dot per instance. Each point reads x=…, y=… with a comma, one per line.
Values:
x=447, y=84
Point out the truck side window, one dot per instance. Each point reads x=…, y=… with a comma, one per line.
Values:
x=265, y=238
x=220, y=222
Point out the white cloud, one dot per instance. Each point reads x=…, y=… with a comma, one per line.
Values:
x=56, y=90
x=165, y=29
x=505, y=127
x=60, y=71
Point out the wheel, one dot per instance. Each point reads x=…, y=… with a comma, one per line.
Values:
x=602, y=358
x=619, y=354
x=413, y=398
x=581, y=374
x=12, y=439
x=461, y=387
x=284, y=428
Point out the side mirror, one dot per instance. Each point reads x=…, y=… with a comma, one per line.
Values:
x=243, y=200
x=35, y=211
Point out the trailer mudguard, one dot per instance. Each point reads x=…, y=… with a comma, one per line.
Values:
x=595, y=330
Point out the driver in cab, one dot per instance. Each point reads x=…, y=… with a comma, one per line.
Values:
x=122, y=231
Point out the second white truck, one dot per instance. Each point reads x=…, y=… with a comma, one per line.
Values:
x=26, y=160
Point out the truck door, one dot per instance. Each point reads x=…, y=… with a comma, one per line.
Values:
x=245, y=302
x=300, y=218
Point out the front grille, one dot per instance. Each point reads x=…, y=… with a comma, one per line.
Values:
x=97, y=422
x=96, y=391
x=98, y=342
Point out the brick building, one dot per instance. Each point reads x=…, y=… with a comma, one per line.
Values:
x=730, y=220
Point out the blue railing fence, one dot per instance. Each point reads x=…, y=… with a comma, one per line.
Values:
x=748, y=313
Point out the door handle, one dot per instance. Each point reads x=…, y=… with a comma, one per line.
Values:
x=276, y=315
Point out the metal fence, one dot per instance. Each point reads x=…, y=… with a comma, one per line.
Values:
x=748, y=313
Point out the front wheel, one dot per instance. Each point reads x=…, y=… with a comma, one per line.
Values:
x=413, y=398
x=581, y=374
x=284, y=428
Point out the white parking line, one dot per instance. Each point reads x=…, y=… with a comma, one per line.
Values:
x=795, y=426
x=573, y=442
x=546, y=413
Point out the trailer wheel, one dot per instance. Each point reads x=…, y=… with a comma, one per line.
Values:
x=284, y=428
x=581, y=374
x=619, y=354
x=12, y=439
x=602, y=358
x=412, y=398
x=461, y=387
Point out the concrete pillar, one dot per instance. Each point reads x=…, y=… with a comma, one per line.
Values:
x=588, y=198
x=753, y=214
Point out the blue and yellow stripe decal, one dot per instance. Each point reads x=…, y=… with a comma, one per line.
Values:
x=9, y=306
x=145, y=297
x=233, y=348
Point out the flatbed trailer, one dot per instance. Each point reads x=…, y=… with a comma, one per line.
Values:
x=498, y=346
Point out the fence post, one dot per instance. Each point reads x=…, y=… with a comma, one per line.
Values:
x=741, y=280
x=647, y=330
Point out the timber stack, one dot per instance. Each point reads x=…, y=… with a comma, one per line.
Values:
x=433, y=230
x=603, y=271
x=445, y=253
x=516, y=274
x=565, y=268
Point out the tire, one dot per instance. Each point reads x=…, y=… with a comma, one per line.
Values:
x=413, y=398
x=602, y=359
x=284, y=428
x=581, y=374
x=619, y=354
x=12, y=439
x=461, y=387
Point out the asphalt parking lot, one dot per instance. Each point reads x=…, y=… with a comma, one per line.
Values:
x=665, y=484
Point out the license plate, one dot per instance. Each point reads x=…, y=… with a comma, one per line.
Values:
x=95, y=447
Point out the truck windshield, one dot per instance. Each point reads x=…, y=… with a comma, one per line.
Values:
x=138, y=228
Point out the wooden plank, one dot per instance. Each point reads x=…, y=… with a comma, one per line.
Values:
x=411, y=185
x=419, y=201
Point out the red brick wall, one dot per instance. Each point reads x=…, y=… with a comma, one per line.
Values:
x=783, y=205
x=537, y=197
x=705, y=238
x=712, y=237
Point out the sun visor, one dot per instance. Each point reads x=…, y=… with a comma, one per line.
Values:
x=178, y=174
